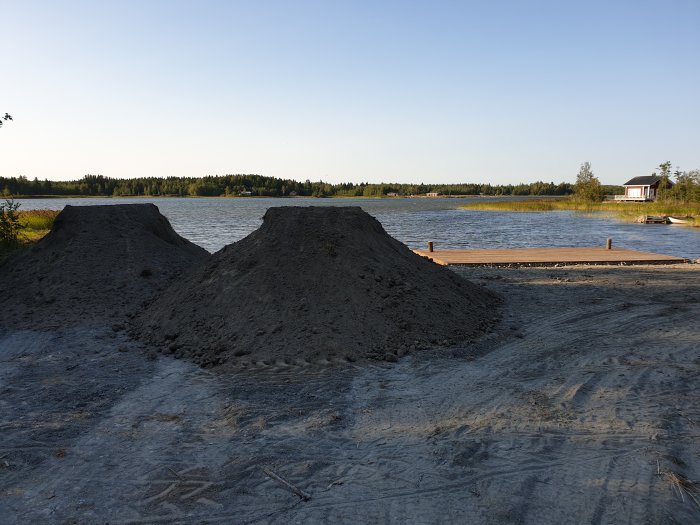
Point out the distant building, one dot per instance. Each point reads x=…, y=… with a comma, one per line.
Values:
x=292, y=193
x=642, y=189
x=432, y=194
x=392, y=194
x=245, y=193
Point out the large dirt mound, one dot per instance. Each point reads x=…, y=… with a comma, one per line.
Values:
x=97, y=262
x=311, y=284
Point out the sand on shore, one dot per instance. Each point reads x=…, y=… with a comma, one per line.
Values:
x=581, y=407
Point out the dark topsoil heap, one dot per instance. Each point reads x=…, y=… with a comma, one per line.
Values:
x=314, y=283
x=98, y=262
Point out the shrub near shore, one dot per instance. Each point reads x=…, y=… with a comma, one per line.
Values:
x=624, y=210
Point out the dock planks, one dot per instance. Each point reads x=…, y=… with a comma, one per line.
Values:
x=546, y=257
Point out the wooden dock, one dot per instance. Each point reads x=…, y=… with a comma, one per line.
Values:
x=546, y=257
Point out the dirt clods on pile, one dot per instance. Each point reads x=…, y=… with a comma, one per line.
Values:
x=96, y=263
x=314, y=284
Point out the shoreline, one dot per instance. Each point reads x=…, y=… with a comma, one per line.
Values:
x=623, y=211
x=30, y=197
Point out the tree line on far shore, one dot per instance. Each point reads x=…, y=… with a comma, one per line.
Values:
x=261, y=186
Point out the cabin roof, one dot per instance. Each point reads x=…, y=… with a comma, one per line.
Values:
x=647, y=180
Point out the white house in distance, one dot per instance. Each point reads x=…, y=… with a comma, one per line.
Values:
x=641, y=189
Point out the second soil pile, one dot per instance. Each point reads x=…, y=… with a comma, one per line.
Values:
x=314, y=284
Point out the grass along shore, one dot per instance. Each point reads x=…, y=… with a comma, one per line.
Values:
x=32, y=225
x=623, y=210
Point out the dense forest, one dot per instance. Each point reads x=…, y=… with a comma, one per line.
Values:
x=257, y=185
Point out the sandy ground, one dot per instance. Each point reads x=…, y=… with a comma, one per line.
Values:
x=576, y=409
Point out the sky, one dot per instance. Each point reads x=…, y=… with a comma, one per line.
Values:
x=499, y=91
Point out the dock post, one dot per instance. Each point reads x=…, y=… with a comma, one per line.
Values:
x=608, y=244
x=430, y=246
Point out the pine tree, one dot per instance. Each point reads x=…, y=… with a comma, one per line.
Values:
x=587, y=187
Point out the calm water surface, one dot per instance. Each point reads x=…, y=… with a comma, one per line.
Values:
x=215, y=222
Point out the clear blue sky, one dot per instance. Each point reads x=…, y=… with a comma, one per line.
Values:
x=500, y=91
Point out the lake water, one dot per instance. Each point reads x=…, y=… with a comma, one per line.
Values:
x=215, y=222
